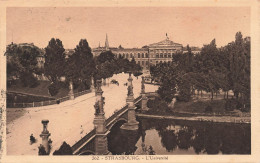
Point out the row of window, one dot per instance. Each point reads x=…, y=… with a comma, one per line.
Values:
x=143, y=63
x=168, y=55
x=139, y=55
x=163, y=55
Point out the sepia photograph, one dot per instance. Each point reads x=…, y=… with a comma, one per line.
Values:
x=127, y=82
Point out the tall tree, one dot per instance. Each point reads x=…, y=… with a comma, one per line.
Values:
x=81, y=65
x=54, y=60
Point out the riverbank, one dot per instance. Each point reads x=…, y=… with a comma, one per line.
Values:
x=219, y=119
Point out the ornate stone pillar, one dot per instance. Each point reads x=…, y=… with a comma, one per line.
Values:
x=71, y=93
x=100, y=122
x=144, y=98
x=45, y=136
x=131, y=124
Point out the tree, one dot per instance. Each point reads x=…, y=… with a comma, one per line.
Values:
x=22, y=63
x=80, y=65
x=105, y=56
x=54, y=60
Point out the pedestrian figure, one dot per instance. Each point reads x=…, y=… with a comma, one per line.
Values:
x=32, y=139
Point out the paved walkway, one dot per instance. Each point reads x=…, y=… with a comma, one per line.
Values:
x=69, y=121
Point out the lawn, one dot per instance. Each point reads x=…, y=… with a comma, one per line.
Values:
x=218, y=106
x=40, y=90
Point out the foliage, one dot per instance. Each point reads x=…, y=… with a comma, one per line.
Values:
x=22, y=63
x=65, y=149
x=157, y=106
x=54, y=60
x=214, y=69
x=107, y=65
x=81, y=66
x=54, y=89
x=42, y=150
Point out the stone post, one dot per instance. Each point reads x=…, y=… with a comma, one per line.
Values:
x=45, y=136
x=100, y=122
x=144, y=98
x=92, y=84
x=71, y=93
x=131, y=124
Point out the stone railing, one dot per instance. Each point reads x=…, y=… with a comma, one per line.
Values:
x=92, y=133
x=116, y=113
x=85, y=139
x=45, y=103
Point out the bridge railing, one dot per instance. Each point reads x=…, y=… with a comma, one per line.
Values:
x=108, y=121
x=137, y=99
x=83, y=140
x=113, y=116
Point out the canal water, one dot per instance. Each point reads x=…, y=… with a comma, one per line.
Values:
x=177, y=137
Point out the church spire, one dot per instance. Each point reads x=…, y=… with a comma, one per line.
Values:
x=106, y=43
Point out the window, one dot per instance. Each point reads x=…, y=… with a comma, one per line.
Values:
x=146, y=55
x=123, y=55
x=139, y=62
x=161, y=55
x=131, y=55
x=147, y=63
x=157, y=55
x=138, y=55
x=169, y=55
x=126, y=55
x=142, y=55
x=156, y=62
x=142, y=63
x=165, y=55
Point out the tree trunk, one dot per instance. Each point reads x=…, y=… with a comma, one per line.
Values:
x=224, y=95
x=212, y=94
x=216, y=94
x=201, y=93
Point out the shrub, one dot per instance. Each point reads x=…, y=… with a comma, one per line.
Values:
x=28, y=79
x=81, y=87
x=230, y=104
x=137, y=74
x=166, y=93
x=65, y=149
x=208, y=109
x=54, y=89
x=184, y=95
x=158, y=106
x=42, y=150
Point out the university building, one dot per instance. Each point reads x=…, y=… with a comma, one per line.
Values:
x=147, y=55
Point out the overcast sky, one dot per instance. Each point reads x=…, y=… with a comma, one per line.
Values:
x=128, y=26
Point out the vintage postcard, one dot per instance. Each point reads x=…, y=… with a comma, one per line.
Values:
x=135, y=81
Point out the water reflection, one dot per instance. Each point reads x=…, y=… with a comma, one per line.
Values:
x=181, y=137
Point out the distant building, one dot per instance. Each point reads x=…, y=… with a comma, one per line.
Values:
x=194, y=50
x=147, y=55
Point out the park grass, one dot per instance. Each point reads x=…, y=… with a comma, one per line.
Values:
x=40, y=90
x=218, y=106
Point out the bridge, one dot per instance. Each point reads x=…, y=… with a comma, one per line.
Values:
x=95, y=141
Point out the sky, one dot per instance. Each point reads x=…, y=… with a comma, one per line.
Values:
x=127, y=26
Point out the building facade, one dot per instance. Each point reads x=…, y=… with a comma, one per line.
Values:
x=147, y=55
